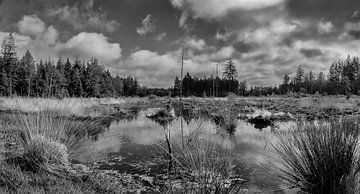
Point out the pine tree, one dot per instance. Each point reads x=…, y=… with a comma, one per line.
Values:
x=75, y=84
x=29, y=70
x=299, y=78
x=10, y=62
x=230, y=73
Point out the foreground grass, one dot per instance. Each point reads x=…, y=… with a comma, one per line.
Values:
x=322, y=157
x=36, y=152
x=205, y=163
x=15, y=180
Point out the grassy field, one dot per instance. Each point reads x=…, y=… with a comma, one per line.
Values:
x=40, y=139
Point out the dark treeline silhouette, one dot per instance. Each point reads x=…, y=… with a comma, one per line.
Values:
x=25, y=77
x=343, y=78
x=213, y=86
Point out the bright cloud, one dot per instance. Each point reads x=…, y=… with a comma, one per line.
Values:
x=148, y=25
x=89, y=45
x=325, y=27
x=212, y=9
x=31, y=25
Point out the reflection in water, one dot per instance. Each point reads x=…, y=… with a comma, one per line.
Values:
x=133, y=145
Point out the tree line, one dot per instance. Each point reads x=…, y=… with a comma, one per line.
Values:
x=77, y=78
x=64, y=78
x=343, y=78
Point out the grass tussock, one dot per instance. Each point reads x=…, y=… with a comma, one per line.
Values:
x=205, y=162
x=45, y=140
x=37, y=158
x=321, y=157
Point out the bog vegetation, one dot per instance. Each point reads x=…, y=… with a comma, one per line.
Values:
x=321, y=157
x=315, y=158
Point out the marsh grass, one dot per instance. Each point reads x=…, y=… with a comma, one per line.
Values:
x=205, y=162
x=320, y=157
x=67, y=106
x=46, y=140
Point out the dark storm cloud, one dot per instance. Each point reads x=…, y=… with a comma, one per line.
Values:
x=334, y=10
x=243, y=47
x=355, y=34
x=310, y=53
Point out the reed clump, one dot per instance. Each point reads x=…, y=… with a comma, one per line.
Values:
x=205, y=163
x=321, y=157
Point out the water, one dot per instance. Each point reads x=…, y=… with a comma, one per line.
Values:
x=137, y=146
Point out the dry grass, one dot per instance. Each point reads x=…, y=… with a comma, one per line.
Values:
x=66, y=106
x=337, y=103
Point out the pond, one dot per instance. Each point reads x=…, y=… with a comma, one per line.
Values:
x=137, y=146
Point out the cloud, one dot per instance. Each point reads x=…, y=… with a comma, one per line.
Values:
x=148, y=25
x=82, y=16
x=31, y=25
x=159, y=70
x=89, y=45
x=151, y=68
x=212, y=9
x=43, y=42
x=193, y=43
x=325, y=27
x=160, y=37
x=310, y=53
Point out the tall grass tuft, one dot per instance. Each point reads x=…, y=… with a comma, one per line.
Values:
x=320, y=157
x=46, y=140
x=204, y=161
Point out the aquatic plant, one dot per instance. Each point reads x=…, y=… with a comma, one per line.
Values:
x=320, y=157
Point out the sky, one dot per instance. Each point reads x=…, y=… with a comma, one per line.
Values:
x=143, y=38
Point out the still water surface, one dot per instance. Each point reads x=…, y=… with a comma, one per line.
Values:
x=136, y=146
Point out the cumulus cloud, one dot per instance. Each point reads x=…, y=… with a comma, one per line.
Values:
x=193, y=43
x=43, y=42
x=151, y=68
x=81, y=16
x=89, y=45
x=148, y=25
x=325, y=27
x=159, y=70
x=31, y=25
x=212, y=9
x=160, y=37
